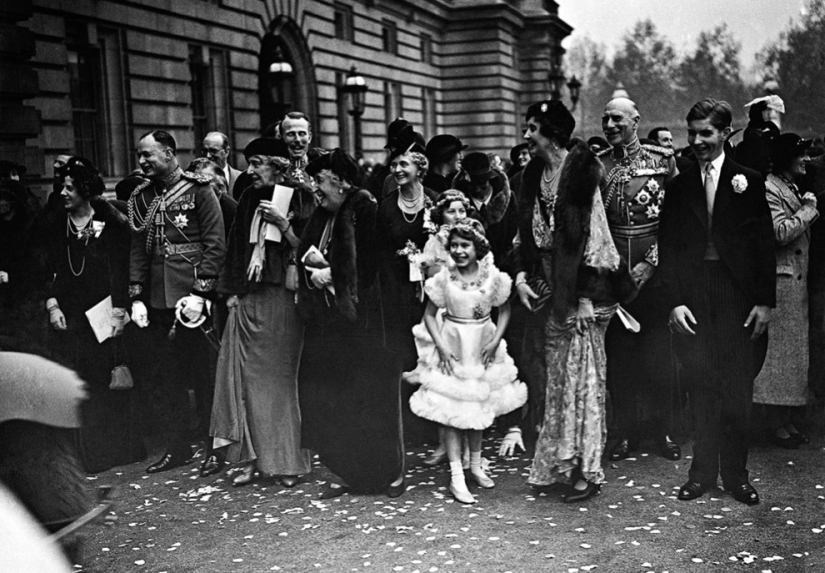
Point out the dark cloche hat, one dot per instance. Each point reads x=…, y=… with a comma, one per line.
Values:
x=516, y=151
x=339, y=162
x=442, y=147
x=787, y=146
x=267, y=146
x=477, y=166
x=394, y=129
x=408, y=138
x=556, y=113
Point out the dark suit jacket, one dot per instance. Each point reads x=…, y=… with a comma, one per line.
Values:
x=742, y=232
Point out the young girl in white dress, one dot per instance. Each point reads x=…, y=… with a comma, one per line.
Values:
x=469, y=379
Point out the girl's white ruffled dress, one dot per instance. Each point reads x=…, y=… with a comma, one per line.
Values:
x=474, y=395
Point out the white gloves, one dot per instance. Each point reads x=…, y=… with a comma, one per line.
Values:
x=56, y=317
x=191, y=307
x=233, y=301
x=321, y=277
x=140, y=315
x=4, y=277
x=510, y=442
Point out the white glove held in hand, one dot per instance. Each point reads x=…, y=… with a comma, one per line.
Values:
x=191, y=307
x=321, y=277
x=140, y=315
x=510, y=442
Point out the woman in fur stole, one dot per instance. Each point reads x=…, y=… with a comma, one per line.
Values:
x=349, y=382
x=564, y=249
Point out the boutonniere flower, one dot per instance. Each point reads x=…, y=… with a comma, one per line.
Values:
x=740, y=183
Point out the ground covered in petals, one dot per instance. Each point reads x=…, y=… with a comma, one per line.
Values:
x=178, y=522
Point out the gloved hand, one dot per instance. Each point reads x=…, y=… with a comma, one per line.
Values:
x=233, y=301
x=511, y=440
x=118, y=321
x=321, y=277
x=140, y=315
x=4, y=277
x=191, y=307
x=56, y=317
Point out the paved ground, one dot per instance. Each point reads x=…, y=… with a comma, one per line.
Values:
x=178, y=522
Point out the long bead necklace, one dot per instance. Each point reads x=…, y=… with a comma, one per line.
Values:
x=410, y=205
x=79, y=234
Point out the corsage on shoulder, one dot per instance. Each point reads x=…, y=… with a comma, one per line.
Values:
x=740, y=183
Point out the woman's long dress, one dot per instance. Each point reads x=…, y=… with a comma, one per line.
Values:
x=86, y=272
x=574, y=430
x=783, y=380
x=255, y=412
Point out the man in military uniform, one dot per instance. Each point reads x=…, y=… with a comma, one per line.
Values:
x=178, y=247
x=639, y=374
x=296, y=131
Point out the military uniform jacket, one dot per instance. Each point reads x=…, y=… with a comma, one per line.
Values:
x=178, y=241
x=633, y=192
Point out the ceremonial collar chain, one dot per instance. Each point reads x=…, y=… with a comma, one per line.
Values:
x=629, y=151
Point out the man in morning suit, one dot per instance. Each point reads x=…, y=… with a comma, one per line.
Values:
x=717, y=266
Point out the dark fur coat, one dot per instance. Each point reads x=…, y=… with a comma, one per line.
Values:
x=571, y=278
x=351, y=255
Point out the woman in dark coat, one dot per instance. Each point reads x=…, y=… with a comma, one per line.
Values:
x=349, y=383
x=89, y=258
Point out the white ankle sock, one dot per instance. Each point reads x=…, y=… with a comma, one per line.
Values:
x=456, y=469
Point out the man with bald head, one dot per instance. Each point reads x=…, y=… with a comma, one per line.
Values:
x=638, y=367
x=216, y=147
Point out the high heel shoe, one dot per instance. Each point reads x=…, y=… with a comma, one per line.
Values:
x=246, y=476
x=439, y=456
x=482, y=479
x=461, y=493
x=577, y=495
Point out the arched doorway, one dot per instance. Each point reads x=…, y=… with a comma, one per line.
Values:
x=286, y=77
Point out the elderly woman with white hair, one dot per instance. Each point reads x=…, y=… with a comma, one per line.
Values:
x=255, y=415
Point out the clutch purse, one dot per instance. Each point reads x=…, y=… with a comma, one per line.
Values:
x=121, y=378
x=542, y=288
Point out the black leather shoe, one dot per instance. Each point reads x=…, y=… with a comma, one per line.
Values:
x=211, y=465
x=333, y=492
x=397, y=490
x=691, y=490
x=670, y=450
x=745, y=493
x=577, y=495
x=167, y=462
x=289, y=481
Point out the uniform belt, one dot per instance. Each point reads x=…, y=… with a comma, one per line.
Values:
x=180, y=249
x=635, y=232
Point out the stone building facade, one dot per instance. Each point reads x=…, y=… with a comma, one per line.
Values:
x=88, y=76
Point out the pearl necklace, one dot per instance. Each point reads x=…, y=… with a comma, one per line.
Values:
x=84, y=230
x=406, y=205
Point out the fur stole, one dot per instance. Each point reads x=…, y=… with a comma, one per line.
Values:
x=349, y=254
x=499, y=201
x=578, y=182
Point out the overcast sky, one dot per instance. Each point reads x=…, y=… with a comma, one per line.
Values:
x=753, y=22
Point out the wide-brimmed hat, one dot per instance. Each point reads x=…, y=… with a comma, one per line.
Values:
x=339, y=162
x=442, y=147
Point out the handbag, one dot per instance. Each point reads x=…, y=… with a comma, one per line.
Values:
x=541, y=287
x=121, y=377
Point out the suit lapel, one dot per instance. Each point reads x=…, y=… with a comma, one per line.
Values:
x=696, y=193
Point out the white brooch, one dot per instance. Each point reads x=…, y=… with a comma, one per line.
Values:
x=543, y=108
x=740, y=183
x=181, y=221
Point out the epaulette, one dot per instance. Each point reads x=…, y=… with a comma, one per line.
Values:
x=604, y=152
x=139, y=189
x=664, y=151
x=196, y=177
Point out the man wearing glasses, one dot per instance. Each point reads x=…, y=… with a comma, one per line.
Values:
x=216, y=147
